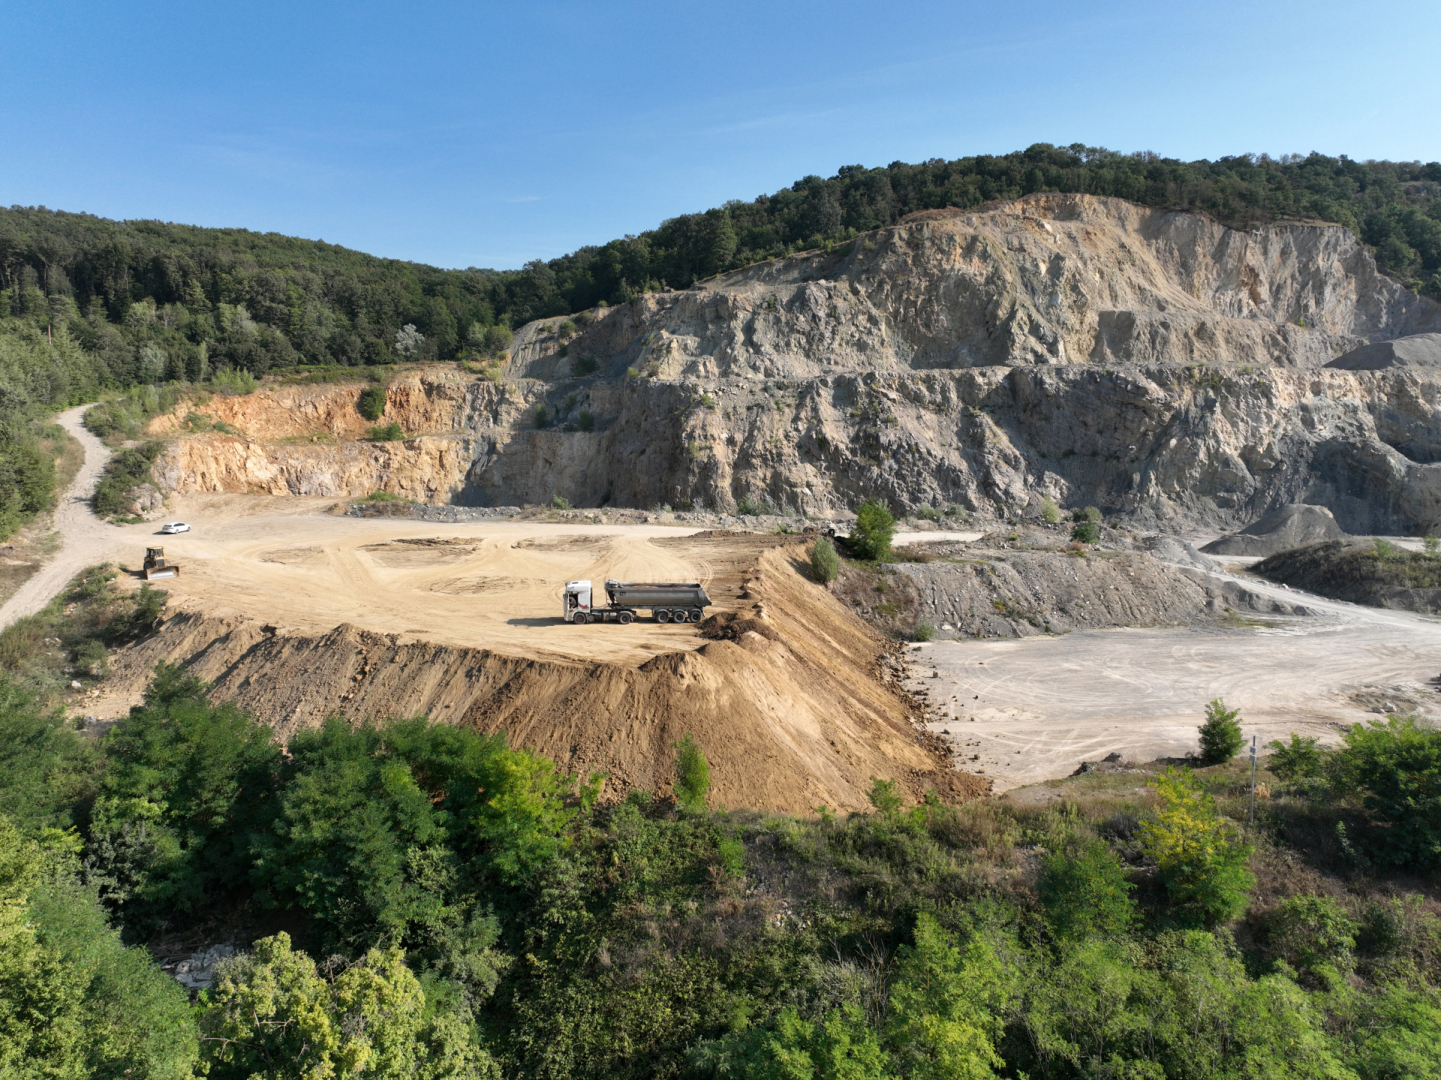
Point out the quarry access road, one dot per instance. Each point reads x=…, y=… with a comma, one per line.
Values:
x=1033, y=709
x=84, y=538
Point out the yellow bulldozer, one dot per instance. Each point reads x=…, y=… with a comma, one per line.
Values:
x=158, y=566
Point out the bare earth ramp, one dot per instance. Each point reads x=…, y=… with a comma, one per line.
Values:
x=796, y=712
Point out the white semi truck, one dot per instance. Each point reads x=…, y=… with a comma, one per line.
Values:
x=668, y=602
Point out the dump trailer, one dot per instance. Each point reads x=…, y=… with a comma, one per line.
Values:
x=668, y=602
x=158, y=566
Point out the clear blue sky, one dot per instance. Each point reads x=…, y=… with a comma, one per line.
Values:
x=486, y=134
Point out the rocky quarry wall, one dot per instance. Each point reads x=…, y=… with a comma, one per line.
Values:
x=1154, y=364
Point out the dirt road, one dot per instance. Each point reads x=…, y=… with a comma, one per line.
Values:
x=1033, y=709
x=85, y=539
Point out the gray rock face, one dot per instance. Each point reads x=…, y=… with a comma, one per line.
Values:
x=1417, y=350
x=1154, y=364
x=1284, y=528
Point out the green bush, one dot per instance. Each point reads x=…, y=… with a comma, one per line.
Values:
x=582, y=366
x=923, y=631
x=585, y=421
x=1300, y=759
x=542, y=416
x=372, y=402
x=496, y=340
x=873, y=531
x=125, y=471
x=825, y=563
x=391, y=432
x=559, y=502
x=1050, y=512
x=1086, y=532
x=237, y=381
x=1201, y=860
x=1085, y=892
x=692, y=775
x=1309, y=931
x=1221, y=737
x=1396, y=768
x=1090, y=514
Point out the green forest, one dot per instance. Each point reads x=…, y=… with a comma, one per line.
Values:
x=88, y=304
x=413, y=899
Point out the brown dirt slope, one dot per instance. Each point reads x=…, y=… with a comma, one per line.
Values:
x=800, y=710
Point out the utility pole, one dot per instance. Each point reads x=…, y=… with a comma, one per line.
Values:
x=1253, y=780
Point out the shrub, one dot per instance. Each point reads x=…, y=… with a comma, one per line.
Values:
x=371, y=402
x=559, y=502
x=923, y=631
x=1202, y=862
x=390, y=432
x=1386, y=551
x=873, y=531
x=585, y=421
x=825, y=563
x=747, y=506
x=126, y=470
x=1221, y=737
x=1299, y=760
x=1431, y=544
x=234, y=381
x=496, y=340
x=542, y=416
x=1085, y=532
x=1090, y=514
x=1308, y=931
x=566, y=329
x=1085, y=893
x=1396, y=767
x=583, y=365
x=1050, y=513
x=885, y=796
x=692, y=775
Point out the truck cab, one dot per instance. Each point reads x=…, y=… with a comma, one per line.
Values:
x=577, y=598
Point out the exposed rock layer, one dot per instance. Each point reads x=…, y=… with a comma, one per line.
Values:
x=1153, y=364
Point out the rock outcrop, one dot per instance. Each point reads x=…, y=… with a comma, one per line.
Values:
x=1415, y=350
x=1154, y=364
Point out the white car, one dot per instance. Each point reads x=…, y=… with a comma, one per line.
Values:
x=174, y=527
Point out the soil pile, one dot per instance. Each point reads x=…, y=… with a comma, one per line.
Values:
x=1282, y=529
x=1376, y=574
x=801, y=709
x=986, y=593
x=1416, y=350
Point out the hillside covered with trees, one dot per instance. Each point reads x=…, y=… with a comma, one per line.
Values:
x=156, y=300
x=411, y=899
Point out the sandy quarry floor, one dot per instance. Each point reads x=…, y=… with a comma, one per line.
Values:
x=490, y=585
x=1033, y=709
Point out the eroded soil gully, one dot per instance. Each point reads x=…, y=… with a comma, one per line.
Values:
x=1033, y=709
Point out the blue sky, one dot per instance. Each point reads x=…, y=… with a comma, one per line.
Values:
x=485, y=134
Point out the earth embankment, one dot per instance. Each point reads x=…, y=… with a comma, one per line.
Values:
x=796, y=706
x=1377, y=574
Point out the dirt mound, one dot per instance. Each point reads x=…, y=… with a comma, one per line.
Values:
x=991, y=593
x=1376, y=575
x=796, y=705
x=1415, y=350
x=1288, y=527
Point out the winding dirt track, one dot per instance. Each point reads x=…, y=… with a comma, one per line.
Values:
x=85, y=539
x=1142, y=692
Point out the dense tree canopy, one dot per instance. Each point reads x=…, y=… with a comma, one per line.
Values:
x=162, y=300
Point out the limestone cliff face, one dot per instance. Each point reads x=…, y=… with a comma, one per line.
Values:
x=1150, y=363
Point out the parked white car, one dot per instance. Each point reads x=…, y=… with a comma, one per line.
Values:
x=174, y=527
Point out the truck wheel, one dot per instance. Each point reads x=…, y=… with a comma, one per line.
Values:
x=696, y=614
x=625, y=618
x=580, y=618
x=678, y=615
x=662, y=615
